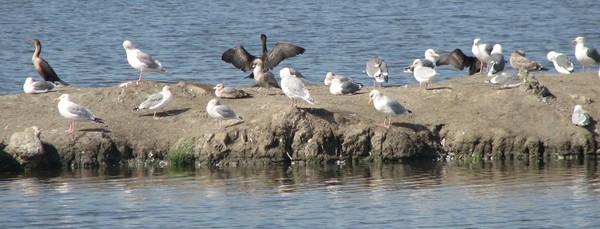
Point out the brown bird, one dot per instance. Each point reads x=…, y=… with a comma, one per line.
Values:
x=518, y=61
x=460, y=61
x=42, y=66
x=240, y=58
x=229, y=92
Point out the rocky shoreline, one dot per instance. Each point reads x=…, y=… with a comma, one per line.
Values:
x=459, y=118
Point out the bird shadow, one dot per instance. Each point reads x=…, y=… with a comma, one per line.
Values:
x=168, y=113
x=440, y=88
x=592, y=127
x=235, y=124
x=412, y=126
x=95, y=130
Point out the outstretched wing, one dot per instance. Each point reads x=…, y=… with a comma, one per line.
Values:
x=281, y=51
x=239, y=57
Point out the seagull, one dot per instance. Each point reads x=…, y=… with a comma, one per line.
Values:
x=241, y=59
x=481, y=51
x=377, y=69
x=580, y=116
x=343, y=86
x=157, y=101
x=293, y=86
x=262, y=76
x=34, y=87
x=431, y=58
x=519, y=61
x=586, y=56
x=506, y=80
x=387, y=105
x=42, y=66
x=229, y=92
x=496, y=61
x=220, y=112
x=423, y=74
x=141, y=61
x=561, y=62
x=460, y=61
x=74, y=112
x=330, y=76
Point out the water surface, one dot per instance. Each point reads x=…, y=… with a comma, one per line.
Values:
x=564, y=194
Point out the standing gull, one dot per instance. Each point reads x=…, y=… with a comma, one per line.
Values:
x=481, y=51
x=293, y=86
x=42, y=66
x=220, y=112
x=229, y=92
x=262, y=76
x=34, y=87
x=561, y=62
x=141, y=61
x=580, y=116
x=586, y=56
x=157, y=101
x=431, y=58
x=387, y=105
x=518, y=60
x=241, y=59
x=458, y=59
x=423, y=74
x=496, y=61
x=74, y=112
x=377, y=69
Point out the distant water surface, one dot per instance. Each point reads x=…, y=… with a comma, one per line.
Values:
x=83, y=40
x=508, y=194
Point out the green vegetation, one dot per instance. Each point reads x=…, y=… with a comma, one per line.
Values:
x=181, y=156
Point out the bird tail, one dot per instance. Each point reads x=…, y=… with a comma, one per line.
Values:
x=251, y=76
x=409, y=112
x=136, y=108
x=310, y=100
x=160, y=67
x=98, y=120
x=63, y=83
x=360, y=86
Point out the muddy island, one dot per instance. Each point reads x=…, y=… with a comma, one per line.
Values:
x=459, y=118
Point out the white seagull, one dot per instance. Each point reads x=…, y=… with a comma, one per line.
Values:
x=377, y=70
x=292, y=85
x=580, y=116
x=34, y=87
x=431, y=58
x=141, y=61
x=157, y=101
x=481, y=51
x=344, y=86
x=496, y=61
x=423, y=74
x=220, y=112
x=586, y=56
x=74, y=112
x=561, y=62
x=387, y=105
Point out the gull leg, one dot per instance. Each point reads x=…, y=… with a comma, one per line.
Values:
x=140, y=79
x=71, y=128
x=154, y=116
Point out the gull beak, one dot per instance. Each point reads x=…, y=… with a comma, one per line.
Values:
x=370, y=101
x=574, y=41
x=56, y=99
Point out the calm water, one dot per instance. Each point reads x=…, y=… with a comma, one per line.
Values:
x=83, y=41
x=499, y=195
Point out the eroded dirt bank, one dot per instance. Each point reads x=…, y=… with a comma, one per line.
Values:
x=463, y=117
